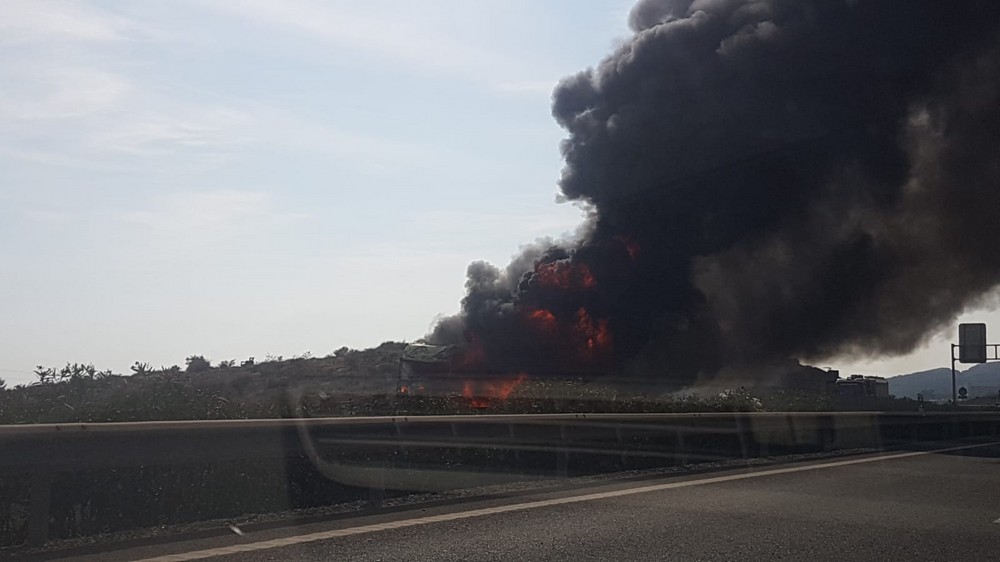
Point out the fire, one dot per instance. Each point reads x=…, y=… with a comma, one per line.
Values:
x=482, y=394
x=543, y=318
x=563, y=274
x=597, y=337
x=502, y=389
x=594, y=333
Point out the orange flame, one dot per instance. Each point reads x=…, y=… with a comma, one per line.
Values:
x=597, y=337
x=481, y=395
x=502, y=389
x=543, y=318
x=563, y=274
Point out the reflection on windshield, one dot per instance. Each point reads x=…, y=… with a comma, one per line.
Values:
x=767, y=187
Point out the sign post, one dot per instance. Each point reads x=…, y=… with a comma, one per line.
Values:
x=971, y=349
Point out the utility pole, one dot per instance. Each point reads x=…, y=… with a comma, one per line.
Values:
x=954, y=387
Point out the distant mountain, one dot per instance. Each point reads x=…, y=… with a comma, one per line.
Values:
x=935, y=384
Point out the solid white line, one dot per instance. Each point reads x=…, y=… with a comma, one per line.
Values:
x=363, y=529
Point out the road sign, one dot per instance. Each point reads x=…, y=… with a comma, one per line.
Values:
x=963, y=393
x=972, y=343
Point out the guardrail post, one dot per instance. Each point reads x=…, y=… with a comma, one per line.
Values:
x=620, y=438
x=562, y=455
x=513, y=441
x=376, y=488
x=376, y=484
x=825, y=428
x=741, y=432
x=41, y=504
x=681, y=454
x=829, y=432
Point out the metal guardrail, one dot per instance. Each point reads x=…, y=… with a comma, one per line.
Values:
x=42, y=452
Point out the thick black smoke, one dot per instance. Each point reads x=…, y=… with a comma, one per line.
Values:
x=769, y=180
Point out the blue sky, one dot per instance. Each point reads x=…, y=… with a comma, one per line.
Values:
x=239, y=179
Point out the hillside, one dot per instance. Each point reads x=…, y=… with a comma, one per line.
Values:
x=276, y=388
x=363, y=382
x=935, y=384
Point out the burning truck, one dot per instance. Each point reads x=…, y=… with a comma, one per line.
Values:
x=450, y=370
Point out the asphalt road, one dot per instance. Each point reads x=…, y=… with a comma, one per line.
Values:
x=939, y=506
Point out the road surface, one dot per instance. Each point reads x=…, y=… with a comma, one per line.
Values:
x=942, y=505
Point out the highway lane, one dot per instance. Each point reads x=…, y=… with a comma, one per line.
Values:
x=938, y=506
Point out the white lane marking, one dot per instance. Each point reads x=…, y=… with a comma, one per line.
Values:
x=998, y=520
x=363, y=529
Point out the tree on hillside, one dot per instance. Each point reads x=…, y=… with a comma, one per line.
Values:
x=197, y=364
x=141, y=368
x=72, y=372
x=45, y=376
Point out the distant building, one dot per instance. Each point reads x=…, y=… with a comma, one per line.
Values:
x=931, y=395
x=983, y=391
x=859, y=391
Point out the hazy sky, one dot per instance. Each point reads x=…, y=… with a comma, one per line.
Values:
x=239, y=179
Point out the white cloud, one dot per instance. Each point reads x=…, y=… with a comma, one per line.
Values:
x=158, y=133
x=58, y=158
x=32, y=93
x=64, y=95
x=391, y=34
x=180, y=227
x=64, y=104
x=80, y=110
x=44, y=20
x=202, y=212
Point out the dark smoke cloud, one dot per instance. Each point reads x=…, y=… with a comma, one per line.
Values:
x=770, y=179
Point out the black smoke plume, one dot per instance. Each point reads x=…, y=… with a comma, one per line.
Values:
x=769, y=180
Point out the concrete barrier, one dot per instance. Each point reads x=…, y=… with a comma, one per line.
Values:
x=409, y=453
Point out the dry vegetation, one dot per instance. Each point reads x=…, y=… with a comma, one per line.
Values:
x=272, y=388
x=345, y=383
